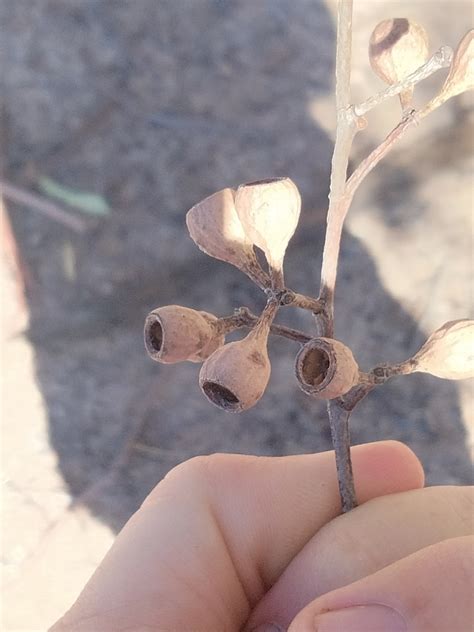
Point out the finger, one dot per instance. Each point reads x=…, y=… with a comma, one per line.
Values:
x=428, y=591
x=217, y=531
x=360, y=543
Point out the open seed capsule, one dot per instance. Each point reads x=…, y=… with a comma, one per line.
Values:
x=215, y=227
x=269, y=211
x=235, y=376
x=175, y=334
x=326, y=368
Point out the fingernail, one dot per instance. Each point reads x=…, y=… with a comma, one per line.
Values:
x=360, y=619
x=268, y=627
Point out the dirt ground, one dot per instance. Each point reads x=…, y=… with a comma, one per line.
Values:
x=154, y=104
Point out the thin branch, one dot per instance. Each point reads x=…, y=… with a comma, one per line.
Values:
x=373, y=159
x=345, y=133
x=343, y=54
x=441, y=59
x=383, y=372
x=365, y=167
x=243, y=317
x=294, y=299
x=347, y=127
x=33, y=201
x=339, y=420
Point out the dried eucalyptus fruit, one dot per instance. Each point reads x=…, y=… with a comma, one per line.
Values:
x=175, y=334
x=448, y=353
x=215, y=227
x=235, y=376
x=325, y=368
x=397, y=48
x=269, y=211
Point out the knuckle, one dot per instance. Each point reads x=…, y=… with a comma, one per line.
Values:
x=197, y=473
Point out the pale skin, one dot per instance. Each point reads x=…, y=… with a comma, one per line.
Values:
x=231, y=542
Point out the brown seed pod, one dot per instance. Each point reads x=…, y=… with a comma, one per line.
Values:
x=461, y=73
x=448, y=353
x=269, y=211
x=235, y=376
x=175, y=334
x=325, y=368
x=397, y=48
x=215, y=227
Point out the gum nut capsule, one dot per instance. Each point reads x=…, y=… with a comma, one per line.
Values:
x=449, y=351
x=397, y=48
x=325, y=368
x=269, y=211
x=175, y=334
x=216, y=229
x=235, y=376
x=461, y=73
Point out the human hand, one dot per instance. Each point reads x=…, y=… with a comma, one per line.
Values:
x=232, y=542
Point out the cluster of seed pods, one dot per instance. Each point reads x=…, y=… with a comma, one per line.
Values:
x=230, y=224
x=227, y=226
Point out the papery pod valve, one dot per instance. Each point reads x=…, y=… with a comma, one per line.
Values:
x=175, y=334
x=235, y=376
x=397, y=48
x=448, y=353
x=461, y=74
x=269, y=211
x=325, y=368
x=216, y=229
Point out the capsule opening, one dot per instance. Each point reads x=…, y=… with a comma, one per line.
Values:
x=221, y=396
x=314, y=367
x=154, y=336
x=265, y=181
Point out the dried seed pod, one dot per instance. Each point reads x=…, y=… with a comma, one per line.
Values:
x=174, y=334
x=326, y=368
x=269, y=211
x=448, y=353
x=397, y=48
x=235, y=376
x=461, y=73
x=215, y=227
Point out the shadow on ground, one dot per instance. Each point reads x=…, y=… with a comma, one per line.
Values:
x=155, y=106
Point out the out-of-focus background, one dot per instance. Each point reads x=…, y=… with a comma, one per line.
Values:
x=148, y=106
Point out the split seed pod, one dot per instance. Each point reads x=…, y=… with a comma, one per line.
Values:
x=235, y=376
x=216, y=229
x=397, y=48
x=269, y=211
x=175, y=334
x=449, y=352
x=326, y=368
x=461, y=73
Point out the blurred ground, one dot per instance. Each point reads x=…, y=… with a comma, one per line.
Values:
x=154, y=105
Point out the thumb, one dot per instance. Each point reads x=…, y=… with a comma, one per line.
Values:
x=429, y=591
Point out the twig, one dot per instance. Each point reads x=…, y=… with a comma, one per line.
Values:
x=339, y=421
x=373, y=159
x=287, y=297
x=441, y=59
x=365, y=167
x=33, y=201
x=243, y=317
x=347, y=127
x=345, y=133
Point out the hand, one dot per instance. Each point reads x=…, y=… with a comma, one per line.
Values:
x=229, y=542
